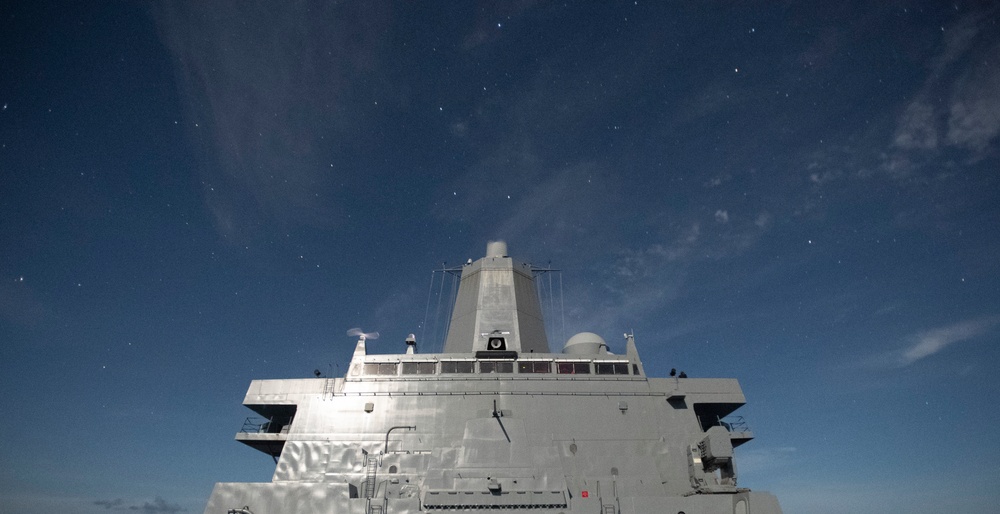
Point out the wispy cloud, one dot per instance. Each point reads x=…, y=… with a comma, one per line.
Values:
x=916, y=127
x=269, y=93
x=970, y=120
x=964, y=76
x=933, y=341
x=927, y=343
x=157, y=506
x=110, y=504
x=559, y=203
x=758, y=460
x=512, y=195
x=647, y=279
x=974, y=111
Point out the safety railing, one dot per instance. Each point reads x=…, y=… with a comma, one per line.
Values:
x=256, y=425
x=730, y=423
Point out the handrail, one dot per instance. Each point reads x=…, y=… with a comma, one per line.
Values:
x=734, y=424
x=258, y=425
x=385, y=448
x=730, y=423
x=254, y=425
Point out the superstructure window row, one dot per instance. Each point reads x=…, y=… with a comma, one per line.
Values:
x=528, y=366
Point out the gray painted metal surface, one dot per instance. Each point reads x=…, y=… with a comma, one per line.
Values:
x=498, y=421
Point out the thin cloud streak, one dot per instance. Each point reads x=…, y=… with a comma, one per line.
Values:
x=756, y=461
x=157, y=506
x=969, y=119
x=933, y=341
x=110, y=504
x=269, y=94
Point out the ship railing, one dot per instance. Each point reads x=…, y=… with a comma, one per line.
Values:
x=730, y=423
x=735, y=424
x=257, y=425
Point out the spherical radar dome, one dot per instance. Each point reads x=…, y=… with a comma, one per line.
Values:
x=585, y=343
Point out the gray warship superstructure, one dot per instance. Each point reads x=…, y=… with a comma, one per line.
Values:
x=496, y=421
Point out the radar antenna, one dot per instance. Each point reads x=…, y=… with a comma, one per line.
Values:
x=361, y=334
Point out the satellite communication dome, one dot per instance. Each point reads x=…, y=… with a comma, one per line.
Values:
x=585, y=343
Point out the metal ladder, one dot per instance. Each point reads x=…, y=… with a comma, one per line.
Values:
x=374, y=506
x=370, y=477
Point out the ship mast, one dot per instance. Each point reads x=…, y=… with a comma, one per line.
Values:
x=497, y=307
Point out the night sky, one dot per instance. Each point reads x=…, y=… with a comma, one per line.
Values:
x=799, y=195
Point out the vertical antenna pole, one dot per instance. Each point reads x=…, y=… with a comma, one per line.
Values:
x=437, y=310
x=562, y=308
x=427, y=308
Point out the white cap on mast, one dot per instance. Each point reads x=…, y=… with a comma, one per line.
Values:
x=496, y=249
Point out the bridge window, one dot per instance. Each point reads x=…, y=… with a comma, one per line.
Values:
x=418, y=368
x=496, y=367
x=612, y=368
x=380, y=368
x=573, y=368
x=458, y=367
x=534, y=367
